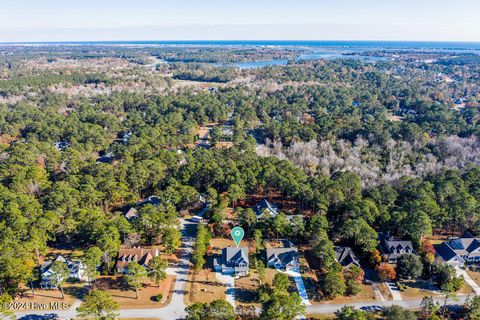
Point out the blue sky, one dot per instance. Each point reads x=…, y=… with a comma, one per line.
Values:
x=57, y=20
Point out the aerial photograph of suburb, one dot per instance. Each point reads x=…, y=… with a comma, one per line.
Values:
x=240, y=160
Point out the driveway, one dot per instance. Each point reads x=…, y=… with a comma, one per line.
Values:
x=378, y=294
x=394, y=290
x=302, y=291
x=469, y=280
x=229, y=282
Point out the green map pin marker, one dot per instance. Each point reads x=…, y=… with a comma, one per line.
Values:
x=237, y=235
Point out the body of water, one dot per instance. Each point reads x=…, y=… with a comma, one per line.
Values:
x=307, y=43
x=319, y=49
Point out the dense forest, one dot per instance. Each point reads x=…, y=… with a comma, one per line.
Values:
x=359, y=147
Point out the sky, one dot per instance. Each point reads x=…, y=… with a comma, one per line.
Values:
x=97, y=20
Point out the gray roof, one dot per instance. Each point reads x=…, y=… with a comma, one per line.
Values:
x=235, y=255
x=445, y=251
x=396, y=244
x=464, y=244
x=282, y=255
x=260, y=207
x=46, y=265
x=232, y=257
x=467, y=245
x=345, y=256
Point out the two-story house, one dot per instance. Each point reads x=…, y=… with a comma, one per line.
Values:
x=457, y=252
x=76, y=270
x=141, y=255
x=393, y=248
x=233, y=261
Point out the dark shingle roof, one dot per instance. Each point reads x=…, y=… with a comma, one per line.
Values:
x=345, y=256
x=285, y=255
x=445, y=251
x=262, y=205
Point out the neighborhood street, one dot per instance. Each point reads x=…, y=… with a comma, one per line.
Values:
x=409, y=304
x=168, y=313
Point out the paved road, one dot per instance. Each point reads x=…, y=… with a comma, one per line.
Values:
x=165, y=313
x=409, y=304
x=176, y=308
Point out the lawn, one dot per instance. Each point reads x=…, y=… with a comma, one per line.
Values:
x=217, y=244
x=384, y=290
x=68, y=254
x=125, y=296
x=321, y=316
x=365, y=295
x=246, y=288
x=203, y=286
x=418, y=289
x=138, y=318
x=474, y=275
x=73, y=291
x=466, y=290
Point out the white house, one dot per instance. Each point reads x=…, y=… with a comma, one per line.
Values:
x=76, y=271
x=233, y=261
x=457, y=252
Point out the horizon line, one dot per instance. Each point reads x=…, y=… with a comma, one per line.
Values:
x=238, y=41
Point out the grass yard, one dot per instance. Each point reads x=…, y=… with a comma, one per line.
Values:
x=137, y=318
x=203, y=286
x=418, y=289
x=269, y=275
x=217, y=244
x=384, y=290
x=68, y=254
x=466, y=290
x=125, y=296
x=72, y=292
x=474, y=275
x=366, y=294
x=321, y=316
x=246, y=289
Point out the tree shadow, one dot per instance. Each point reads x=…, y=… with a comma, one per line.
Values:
x=77, y=292
x=51, y=316
x=246, y=295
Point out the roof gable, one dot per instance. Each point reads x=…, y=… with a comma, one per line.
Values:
x=232, y=255
x=282, y=255
x=263, y=205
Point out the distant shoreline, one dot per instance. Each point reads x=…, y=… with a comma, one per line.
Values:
x=444, y=45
